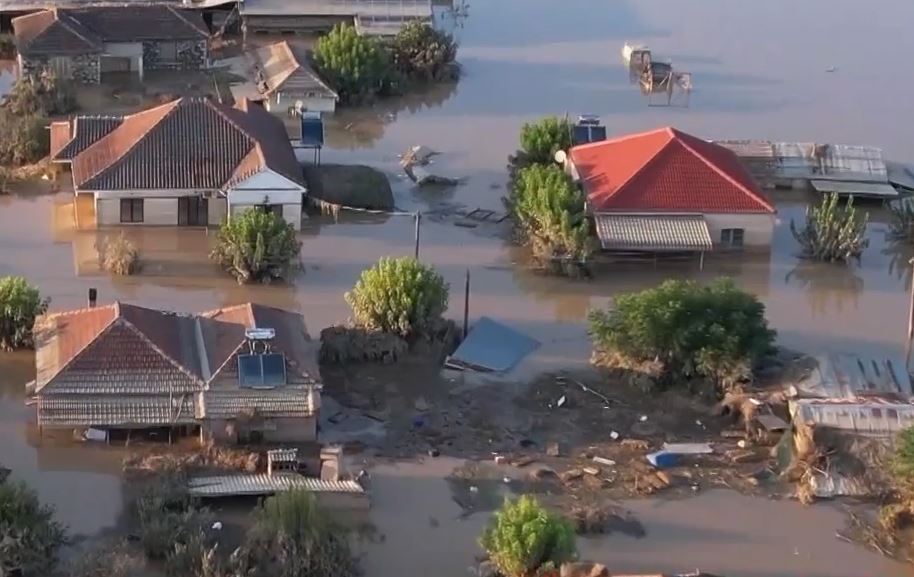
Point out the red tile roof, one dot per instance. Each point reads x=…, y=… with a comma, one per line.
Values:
x=666, y=170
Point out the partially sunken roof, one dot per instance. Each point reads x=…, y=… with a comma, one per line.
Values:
x=85, y=30
x=666, y=170
x=189, y=143
x=127, y=349
x=283, y=68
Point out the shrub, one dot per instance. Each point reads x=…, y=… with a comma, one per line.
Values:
x=168, y=517
x=356, y=66
x=26, y=138
x=121, y=256
x=549, y=212
x=901, y=225
x=540, y=140
x=293, y=537
x=421, y=53
x=832, y=232
x=715, y=331
x=903, y=459
x=20, y=303
x=523, y=537
x=256, y=246
x=108, y=560
x=29, y=535
x=42, y=94
x=401, y=296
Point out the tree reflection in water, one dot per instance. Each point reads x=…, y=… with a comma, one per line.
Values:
x=826, y=283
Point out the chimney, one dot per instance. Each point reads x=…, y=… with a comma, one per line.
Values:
x=93, y=297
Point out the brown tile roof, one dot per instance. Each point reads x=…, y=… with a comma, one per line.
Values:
x=85, y=30
x=81, y=133
x=283, y=68
x=53, y=32
x=117, y=411
x=189, y=143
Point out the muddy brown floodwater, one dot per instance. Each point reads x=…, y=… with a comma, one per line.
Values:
x=760, y=72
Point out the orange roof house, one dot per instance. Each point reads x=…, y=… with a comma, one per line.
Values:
x=666, y=190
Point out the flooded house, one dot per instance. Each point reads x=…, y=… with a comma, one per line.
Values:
x=189, y=162
x=371, y=18
x=287, y=82
x=241, y=373
x=666, y=191
x=85, y=44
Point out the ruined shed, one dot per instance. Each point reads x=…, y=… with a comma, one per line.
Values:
x=850, y=376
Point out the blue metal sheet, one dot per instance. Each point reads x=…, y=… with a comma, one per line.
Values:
x=312, y=132
x=492, y=346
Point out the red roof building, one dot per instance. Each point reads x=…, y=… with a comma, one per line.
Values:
x=665, y=190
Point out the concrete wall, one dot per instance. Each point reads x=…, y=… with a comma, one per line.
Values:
x=282, y=101
x=84, y=68
x=759, y=228
x=156, y=211
x=190, y=55
x=217, y=211
x=279, y=430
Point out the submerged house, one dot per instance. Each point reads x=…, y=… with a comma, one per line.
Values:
x=668, y=191
x=190, y=162
x=286, y=81
x=239, y=373
x=83, y=44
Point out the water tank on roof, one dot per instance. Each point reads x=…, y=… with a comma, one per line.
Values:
x=587, y=129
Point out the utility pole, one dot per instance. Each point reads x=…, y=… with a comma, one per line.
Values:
x=466, y=303
x=418, y=224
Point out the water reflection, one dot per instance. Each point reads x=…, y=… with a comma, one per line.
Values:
x=829, y=288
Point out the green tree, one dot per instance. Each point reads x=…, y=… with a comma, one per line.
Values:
x=29, y=535
x=256, y=245
x=716, y=331
x=20, y=303
x=356, y=66
x=833, y=233
x=420, y=52
x=401, y=296
x=549, y=212
x=540, y=140
x=903, y=459
x=524, y=537
x=42, y=94
x=293, y=537
x=25, y=138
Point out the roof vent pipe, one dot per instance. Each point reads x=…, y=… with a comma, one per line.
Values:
x=93, y=297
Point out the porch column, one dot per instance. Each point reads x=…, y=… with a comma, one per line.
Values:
x=139, y=66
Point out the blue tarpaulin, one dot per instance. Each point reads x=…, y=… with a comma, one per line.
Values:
x=491, y=346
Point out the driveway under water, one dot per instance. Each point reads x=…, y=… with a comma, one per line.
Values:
x=759, y=72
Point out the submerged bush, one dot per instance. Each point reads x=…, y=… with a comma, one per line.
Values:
x=833, y=233
x=356, y=66
x=400, y=296
x=422, y=53
x=42, y=94
x=26, y=138
x=29, y=536
x=20, y=304
x=168, y=517
x=121, y=256
x=293, y=537
x=256, y=246
x=716, y=331
x=549, y=213
x=523, y=537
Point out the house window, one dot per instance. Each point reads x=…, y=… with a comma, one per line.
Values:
x=732, y=237
x=131, y=210
x=262, y=371
x=168, y=51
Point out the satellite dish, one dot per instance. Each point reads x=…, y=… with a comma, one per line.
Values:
x=560, y=156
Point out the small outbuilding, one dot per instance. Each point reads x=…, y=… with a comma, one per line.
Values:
x=288, y=83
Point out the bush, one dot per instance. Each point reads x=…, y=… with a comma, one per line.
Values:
x=523, y=537
x=903, y=459
x=29, y=535
x=256, y=246
x=716, y=331
x=168, y=517
x=901, y=225
x=400, y=296
x=832, y=232
x=42, y=94
x=293, y=537
x=421, y=53
x=549, y=212
x=540, y=140
x=20, y=303
x=109, y=560
x=26, y=138
x=356, y=66
x=121, y=256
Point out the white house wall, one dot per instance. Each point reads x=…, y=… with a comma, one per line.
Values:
x=125, y=49
x=156, y=211
x=217, y=211
x=759, y=228
x=266, y=183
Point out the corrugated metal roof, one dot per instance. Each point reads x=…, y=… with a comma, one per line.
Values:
x=873, y=418
x=376, y=8
x=900, y=174
x=811, y=160
x=850, y=376
x=263, y=484
x=749, y=148
x=284, y=69
x=653, y=233
x=862, y=189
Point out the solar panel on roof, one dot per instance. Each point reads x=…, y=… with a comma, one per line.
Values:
x=274, y=369
x=250, y=372
x=585, y=133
